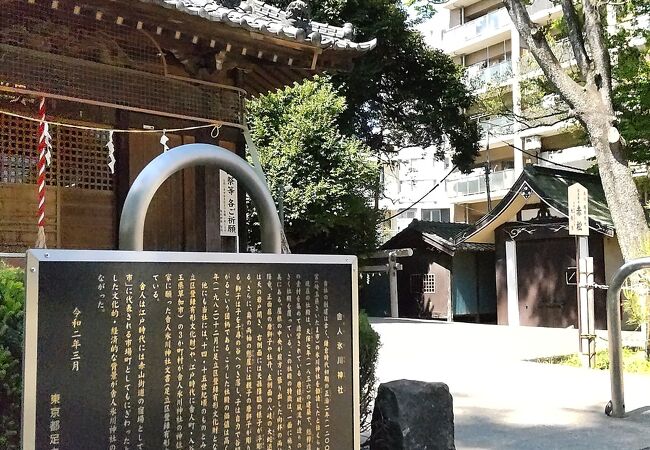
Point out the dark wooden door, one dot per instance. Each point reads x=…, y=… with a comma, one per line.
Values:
x=171, y=223
x=436, y=293
x=544, y=298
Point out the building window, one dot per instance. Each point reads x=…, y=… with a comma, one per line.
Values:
x=436, y=215
x=423, y=283
x=409, y=213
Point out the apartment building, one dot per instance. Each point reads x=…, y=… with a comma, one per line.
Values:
x=408, y=177
x=482, y=38
x=479, y=35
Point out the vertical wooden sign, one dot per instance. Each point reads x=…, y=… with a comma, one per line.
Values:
x=578, y=210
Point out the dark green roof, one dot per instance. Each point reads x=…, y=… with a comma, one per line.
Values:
x=551, y=185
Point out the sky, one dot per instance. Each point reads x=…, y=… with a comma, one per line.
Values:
x=432, y=28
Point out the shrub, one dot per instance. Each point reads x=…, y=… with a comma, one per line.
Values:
x=636, y=301
x=368, y=354
x=12, y=301
x=633, y=360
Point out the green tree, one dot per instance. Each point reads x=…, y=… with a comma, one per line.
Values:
x=402, y=93
x=12, y=301
x=325, y=178
x=632, y=78
x=589, y=92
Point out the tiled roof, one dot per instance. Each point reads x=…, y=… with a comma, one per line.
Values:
x=257, y=16
x=446, y=230
x=439, y=235
x=475, y=247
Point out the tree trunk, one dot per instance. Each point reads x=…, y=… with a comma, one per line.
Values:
x=591, y=102
x=647, y=340
x=619, y=187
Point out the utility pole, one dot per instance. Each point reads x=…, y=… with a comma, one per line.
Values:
x=281, y=205
x=487, y=170
x=487, y=185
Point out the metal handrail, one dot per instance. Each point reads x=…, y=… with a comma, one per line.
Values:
x=616, y=406
x=134, y=212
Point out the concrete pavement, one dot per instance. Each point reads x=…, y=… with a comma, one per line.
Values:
x=504, y=402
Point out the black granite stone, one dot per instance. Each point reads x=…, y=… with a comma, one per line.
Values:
x=413, y=415
x=277, y=334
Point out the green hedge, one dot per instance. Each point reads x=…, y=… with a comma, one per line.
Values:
x=368, y=354
x=12, y=301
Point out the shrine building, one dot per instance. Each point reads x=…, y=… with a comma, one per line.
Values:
x=123, y=80
x=517, y=264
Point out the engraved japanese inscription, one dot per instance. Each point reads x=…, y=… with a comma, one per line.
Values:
x=192, y=355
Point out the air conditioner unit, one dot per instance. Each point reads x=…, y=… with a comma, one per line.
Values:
x=533, y=143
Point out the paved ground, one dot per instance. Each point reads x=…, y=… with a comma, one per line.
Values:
x=503, y=402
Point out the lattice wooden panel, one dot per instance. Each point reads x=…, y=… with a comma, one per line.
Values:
x=66, y=51
x=19, y=152
x=82, y=159
x=74, y=30
x=79, y=157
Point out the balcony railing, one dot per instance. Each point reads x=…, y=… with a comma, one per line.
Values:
x=479, y=77
x=561, y=49
x=531, y=118
x=475, y=184
x=490, y=22
x=496, y=126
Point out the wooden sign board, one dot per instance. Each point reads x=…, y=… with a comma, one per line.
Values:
x=578, y=210
x=190, y=350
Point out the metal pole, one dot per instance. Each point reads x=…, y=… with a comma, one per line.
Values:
x=189, y=155
x=392, y=281
x=617, y=403
x=281, y=205
x=582, y=275
x=487, y=186
x=591, y=312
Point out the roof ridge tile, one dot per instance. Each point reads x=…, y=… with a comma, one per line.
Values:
x=258, y=16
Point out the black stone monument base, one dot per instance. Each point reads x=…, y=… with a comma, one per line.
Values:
x=412, y=415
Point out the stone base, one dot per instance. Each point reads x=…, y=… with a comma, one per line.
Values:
x=413, y=415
